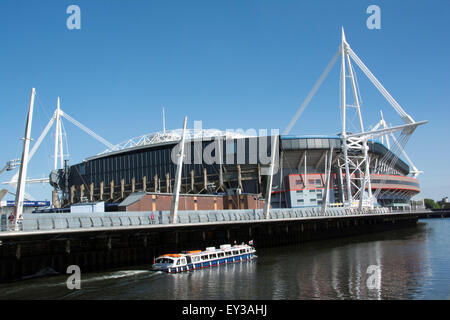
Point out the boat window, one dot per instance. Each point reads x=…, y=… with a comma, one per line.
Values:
x=235, y=252
x=242, y=250
x=220, y=254
x=228, y=253
x=189, y=260
x=163, y=260
x=183, y=261
x=205, y=257
x=213, y=256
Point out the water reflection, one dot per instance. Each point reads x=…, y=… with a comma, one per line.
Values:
x=339, y=269
x=232, y=281
x=414, y=263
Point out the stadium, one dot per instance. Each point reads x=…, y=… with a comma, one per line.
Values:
x=146, y=164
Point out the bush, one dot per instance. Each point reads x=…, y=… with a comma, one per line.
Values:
x=430, y=204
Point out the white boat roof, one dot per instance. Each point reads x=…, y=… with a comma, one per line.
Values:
x=236, y=246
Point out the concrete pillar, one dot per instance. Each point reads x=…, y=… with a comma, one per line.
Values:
x=102, y=184
x=205, y=180
x=72, y=194
x=111, y=189
x=221, y=179
x=91, y=192
x=144, y=183
x=133, y=184
x=192, y=181
x=239, y=177
x=156, y=182
x=167, y=182
x=81, y=192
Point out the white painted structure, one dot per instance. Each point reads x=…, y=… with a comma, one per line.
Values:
x=169, y=136
x=20, y=193
x=355, y=161
x=176, y=194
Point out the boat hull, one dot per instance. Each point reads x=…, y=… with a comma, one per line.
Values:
x=209, y=264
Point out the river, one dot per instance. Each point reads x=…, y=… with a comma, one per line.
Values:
x=410, y=263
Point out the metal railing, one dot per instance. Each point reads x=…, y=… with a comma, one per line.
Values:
x=64, y=221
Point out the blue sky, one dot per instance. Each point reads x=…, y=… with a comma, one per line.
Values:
x=232, y=64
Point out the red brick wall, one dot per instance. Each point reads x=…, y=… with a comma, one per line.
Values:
x=163, y=202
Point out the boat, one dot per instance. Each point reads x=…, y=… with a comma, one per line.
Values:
x=198, y=259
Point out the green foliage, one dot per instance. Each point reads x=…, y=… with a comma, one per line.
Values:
x=430, y=204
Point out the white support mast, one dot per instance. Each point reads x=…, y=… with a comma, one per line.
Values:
x=20, y=193
x=61, y=151
x=356, y=149
x=356, y=162
x=176, y=193
x=58, y=137
x=274, y=151
x=164, y=120
x=327, y=182
x=344, y=121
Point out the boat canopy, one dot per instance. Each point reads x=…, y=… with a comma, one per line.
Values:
x=164, y=260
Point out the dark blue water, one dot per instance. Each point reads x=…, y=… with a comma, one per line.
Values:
x=413, y=263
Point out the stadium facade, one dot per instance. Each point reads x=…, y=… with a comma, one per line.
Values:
x=146, y=164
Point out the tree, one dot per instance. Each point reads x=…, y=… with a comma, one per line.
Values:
x=430, y=204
